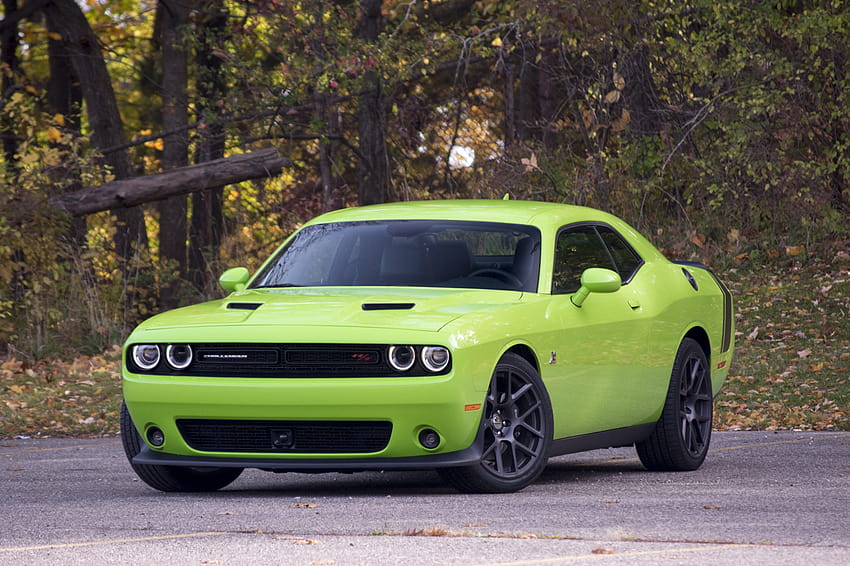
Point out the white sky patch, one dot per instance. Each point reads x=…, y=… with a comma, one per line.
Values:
x=461, y=156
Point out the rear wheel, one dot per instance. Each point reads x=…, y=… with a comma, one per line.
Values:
x=516, y=431
x=171, y=478
x=682, y=435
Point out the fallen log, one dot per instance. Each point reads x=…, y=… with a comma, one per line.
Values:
x=127, y=193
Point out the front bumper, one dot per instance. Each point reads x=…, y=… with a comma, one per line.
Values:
x=445, y=404
x=464, y=457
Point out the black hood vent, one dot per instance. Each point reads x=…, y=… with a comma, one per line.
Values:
x=387, y=306
x=244, y=306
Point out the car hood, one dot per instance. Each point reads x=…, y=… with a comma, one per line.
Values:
x=424, y=309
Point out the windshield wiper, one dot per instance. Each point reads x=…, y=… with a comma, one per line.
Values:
x=276, y=286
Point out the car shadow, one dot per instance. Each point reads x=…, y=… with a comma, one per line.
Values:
x=563, y=470
x=332, y=484
x=255, y=483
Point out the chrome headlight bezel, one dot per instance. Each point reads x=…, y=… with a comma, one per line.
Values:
x=178, y=356
x=146, y=362
x=435, y=358
x=401, y=358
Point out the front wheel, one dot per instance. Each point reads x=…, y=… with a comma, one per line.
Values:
x=171, y=478
x=681, y=436
x=516, y=431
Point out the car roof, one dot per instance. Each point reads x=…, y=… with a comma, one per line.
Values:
x=541, y=214
x=549, y=217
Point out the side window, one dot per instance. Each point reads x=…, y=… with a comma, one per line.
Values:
x=576, y=250
x=625, y=258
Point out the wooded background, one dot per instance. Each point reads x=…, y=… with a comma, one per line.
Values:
x=720, y=128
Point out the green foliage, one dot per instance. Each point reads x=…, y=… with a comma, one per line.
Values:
x=772, y=146
x=47, y=299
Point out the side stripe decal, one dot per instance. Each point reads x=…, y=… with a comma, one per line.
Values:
x=727, y=315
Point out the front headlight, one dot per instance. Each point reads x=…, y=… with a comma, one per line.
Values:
x=435, y=358
x=146, y=356
x=179, y=356
x=401, y=358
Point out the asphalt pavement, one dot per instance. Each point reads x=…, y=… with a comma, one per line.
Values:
x=778, y=498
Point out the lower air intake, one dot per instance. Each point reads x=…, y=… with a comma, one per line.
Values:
x=294, y=437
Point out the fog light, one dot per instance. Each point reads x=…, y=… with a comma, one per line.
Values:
x=429, y=438
x=401, y=358
x=156, y=437
x=179, y=356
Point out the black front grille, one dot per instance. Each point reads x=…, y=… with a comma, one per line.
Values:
x=295, y=437
x=325, y=356
x=226, y=355
x=286, y=361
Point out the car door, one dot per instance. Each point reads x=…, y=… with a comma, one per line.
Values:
x=603, y=372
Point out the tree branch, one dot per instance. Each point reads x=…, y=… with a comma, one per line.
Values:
x=131, y=192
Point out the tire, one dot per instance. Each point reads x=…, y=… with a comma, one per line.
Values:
x=515, y=433
x=682, y=435
x=171, y=478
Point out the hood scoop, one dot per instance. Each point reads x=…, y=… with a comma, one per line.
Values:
x=387, y=306
x=244, y=306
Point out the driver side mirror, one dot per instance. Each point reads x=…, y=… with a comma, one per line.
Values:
x=596, y=280
x=234, y=279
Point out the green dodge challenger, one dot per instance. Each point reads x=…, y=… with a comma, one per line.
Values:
x=478, y=338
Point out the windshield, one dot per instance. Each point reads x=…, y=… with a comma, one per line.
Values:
x=417, y=253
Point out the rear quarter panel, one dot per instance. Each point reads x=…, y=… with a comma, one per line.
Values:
x=684, y=311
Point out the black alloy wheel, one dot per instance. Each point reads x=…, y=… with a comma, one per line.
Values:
x=515, y=435
x=682, y=435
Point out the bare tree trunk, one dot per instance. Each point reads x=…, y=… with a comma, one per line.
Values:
x=639, y=94
x=207, y=226
x=550, y=98
x=9, y=58
x=175, y=115
x=373, y=167
x=509, y=127
x=327, y=115
x=65, y=97
x=68, y=20
x=528, y=111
